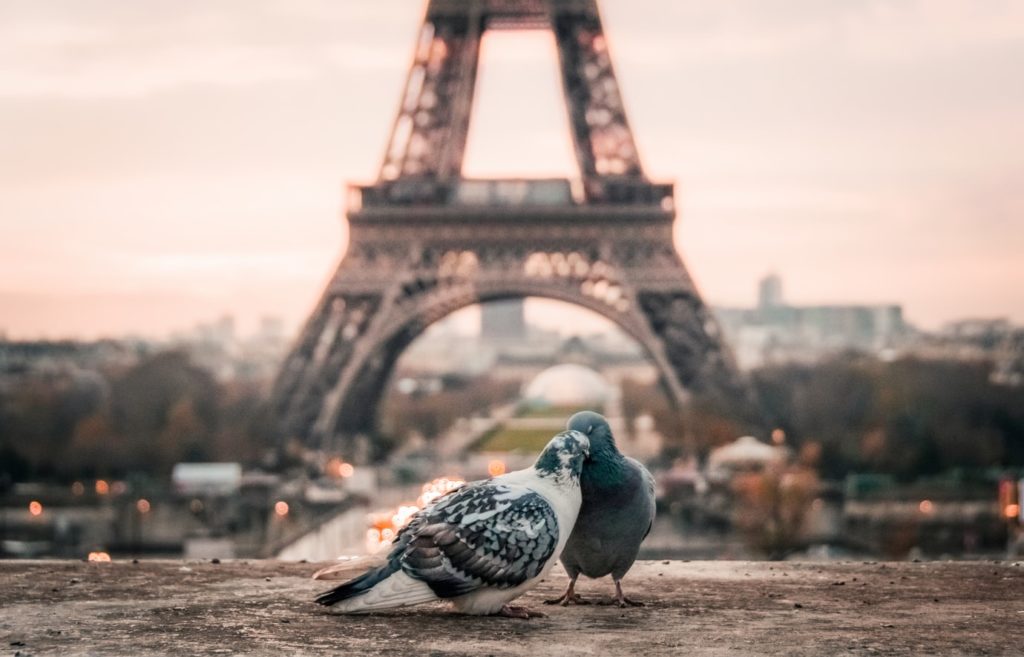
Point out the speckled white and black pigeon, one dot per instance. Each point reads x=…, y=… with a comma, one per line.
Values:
x=480, y=546
x=616, y=515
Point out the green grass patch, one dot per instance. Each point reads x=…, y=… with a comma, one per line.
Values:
x=516, y=440
x=563, y=412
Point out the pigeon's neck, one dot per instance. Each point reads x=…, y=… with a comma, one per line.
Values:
x=561, y=477
x=559, y=468
x=607, y=467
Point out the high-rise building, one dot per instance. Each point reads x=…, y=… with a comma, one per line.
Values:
x=769, y=292
x=503, y=321
x=776, y=331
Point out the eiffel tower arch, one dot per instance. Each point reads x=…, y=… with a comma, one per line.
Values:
x=426, y=241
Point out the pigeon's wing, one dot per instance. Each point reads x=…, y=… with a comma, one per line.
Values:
x=482, y=535
x=648, y=492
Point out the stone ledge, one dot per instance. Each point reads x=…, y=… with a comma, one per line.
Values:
x=694, y=608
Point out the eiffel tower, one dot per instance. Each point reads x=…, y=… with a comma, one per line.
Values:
x=426, y=241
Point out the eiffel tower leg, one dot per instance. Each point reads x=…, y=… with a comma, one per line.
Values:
x=693, y=348
x=326, y=348
x=384, y=294
x=686, y=341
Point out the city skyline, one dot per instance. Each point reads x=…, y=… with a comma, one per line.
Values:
x=164, y=167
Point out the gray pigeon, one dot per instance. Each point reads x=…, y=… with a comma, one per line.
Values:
x=617, y=512
x=480, y=546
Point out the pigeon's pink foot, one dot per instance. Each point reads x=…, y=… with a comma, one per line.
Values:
x=566, y=600
x=622, y=601
x=570, y=597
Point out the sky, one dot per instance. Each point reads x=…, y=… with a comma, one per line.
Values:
x=163, y=164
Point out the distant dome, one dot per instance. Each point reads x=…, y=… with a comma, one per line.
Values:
x=568, y=385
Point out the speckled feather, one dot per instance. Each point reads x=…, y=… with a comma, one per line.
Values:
x=484, y=534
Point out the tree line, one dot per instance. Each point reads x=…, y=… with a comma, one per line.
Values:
x=71, y=423
x=908, y=418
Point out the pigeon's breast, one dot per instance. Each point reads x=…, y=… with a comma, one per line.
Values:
x=612, y=523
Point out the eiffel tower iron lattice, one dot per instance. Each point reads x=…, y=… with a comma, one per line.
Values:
x=425, y=241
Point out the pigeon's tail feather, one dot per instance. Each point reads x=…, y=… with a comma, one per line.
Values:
x=357, y=585
x=396, y=589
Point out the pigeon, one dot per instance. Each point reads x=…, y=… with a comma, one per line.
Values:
x=481, y=545
x=617, y=513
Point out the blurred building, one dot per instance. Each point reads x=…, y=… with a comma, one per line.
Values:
x=985, y=340
x=78, y=362
x=503, y=321
x=217, y=347
x=507, y=347
x=776, y=331
x=615, y=360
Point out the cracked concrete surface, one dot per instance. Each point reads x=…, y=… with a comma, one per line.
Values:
x=698, y=608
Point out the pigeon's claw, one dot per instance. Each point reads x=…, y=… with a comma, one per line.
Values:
x=570, y=597
x=510, y=611
x=621, y=600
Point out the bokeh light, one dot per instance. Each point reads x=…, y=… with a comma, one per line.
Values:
x=333, y=467
x=385, y=526
x=436, y=488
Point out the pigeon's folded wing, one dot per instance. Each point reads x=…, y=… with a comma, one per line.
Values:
x=648, y=491
x=483, y=535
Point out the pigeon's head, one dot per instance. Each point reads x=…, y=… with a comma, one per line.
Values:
x=563, y=457
x=595, y=427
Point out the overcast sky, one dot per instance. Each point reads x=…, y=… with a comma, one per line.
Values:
x=164, y=163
